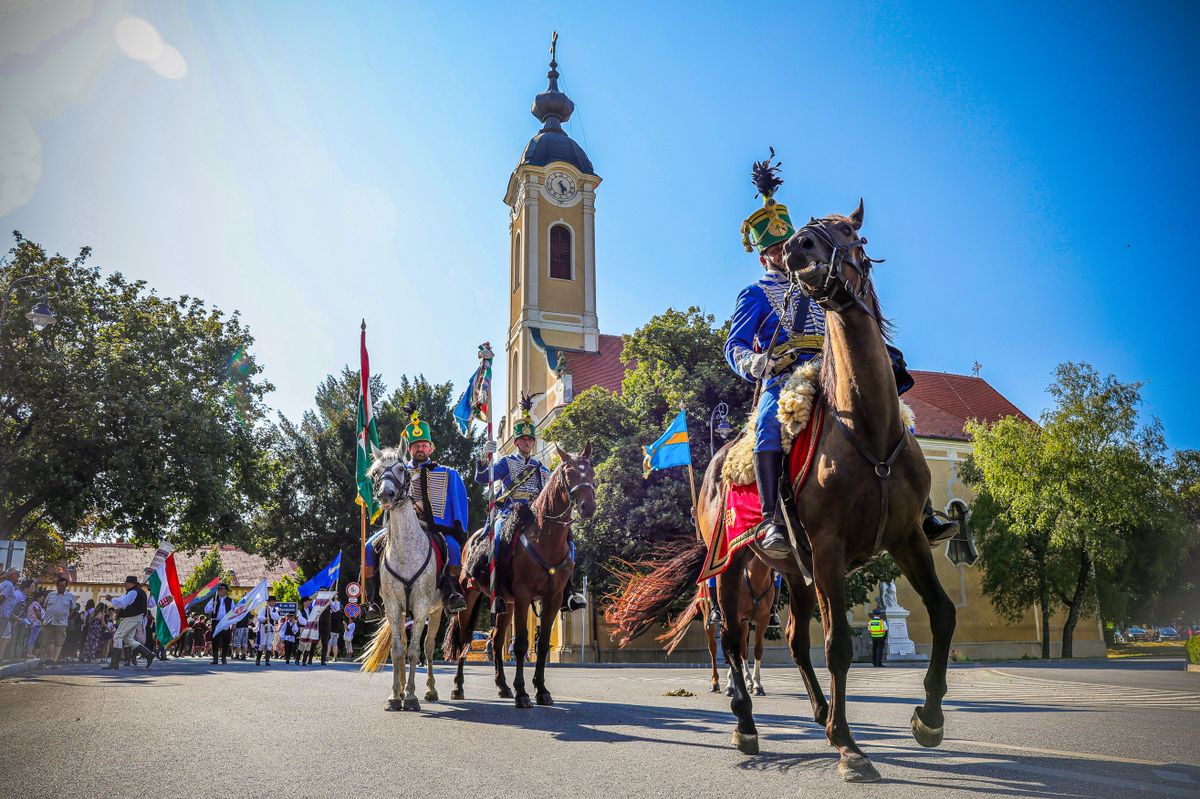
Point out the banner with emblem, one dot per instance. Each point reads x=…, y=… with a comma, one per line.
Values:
x=368, y=436
x=170, y=618
x=473, y=404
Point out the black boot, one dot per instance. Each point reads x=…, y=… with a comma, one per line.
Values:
x=714, y=617
x=452, y=599
x=258, y=659
x=146, y=653
x=573, y=599
x=114, y=662
x=774, y=622
x=767, y=468
x=935, y=527
x=372, y=603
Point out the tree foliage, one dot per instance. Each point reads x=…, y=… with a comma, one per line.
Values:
x=287, y=587
x=133, y=412
x=311, y=514
x=1084, y=493
x=210, y=566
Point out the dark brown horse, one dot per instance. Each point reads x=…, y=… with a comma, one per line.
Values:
x=864, y=495
x=539, y=571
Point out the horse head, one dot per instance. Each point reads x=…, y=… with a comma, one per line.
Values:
x=579, y=479
x=828, y=259
x=390, y=478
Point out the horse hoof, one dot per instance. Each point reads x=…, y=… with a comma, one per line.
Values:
x=745, y=743
x=729, y=691
x=925, y=735
x=394, y=704
x=544, y=699
x=857, y=768
x=759, y=691
x=523, y=702
x=457, y=693
x=431, y=696
x=506, y=693
x=412, y=704
x=716, y=689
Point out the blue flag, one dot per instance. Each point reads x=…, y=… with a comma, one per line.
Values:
x=463, y=410
x=671, y=449
x=323, y=579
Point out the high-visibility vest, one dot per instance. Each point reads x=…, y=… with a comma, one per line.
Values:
x=877, y=628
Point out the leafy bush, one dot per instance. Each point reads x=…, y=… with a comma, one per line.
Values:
x=1193, y=649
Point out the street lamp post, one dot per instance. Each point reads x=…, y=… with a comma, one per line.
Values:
x=718, y=422
x=41, y=315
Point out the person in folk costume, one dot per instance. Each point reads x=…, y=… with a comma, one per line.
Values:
x=524, y=477
x=440, y=499
x=288, y=633
x=216, y=608
x=775, y=327
x=131, y=614
x=304, y=642
x=268, y=619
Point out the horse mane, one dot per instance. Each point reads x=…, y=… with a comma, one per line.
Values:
x=384, y=459
x=829, y=378
x=538, y=506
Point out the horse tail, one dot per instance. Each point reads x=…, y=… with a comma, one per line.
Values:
x=458, y=636
x=377, y=651
x=673, y=637
x=645, y=590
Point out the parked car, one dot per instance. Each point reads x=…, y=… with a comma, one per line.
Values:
x=1168, y=634
x=1137, y=634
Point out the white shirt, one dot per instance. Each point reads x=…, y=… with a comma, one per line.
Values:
x=7, y=591
x=58, y=608
x=268, y=613
x=349, y=634
x=216, y=610
x=121, y=602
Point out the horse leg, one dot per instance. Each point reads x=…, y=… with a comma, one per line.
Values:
x=412, y=653
x=521, y=648
x=760, y=629
x=710, y=630
x=803, y=598
x=396, y=701
x=431, y=694
x=499, y=637
x=733, y=637
x=545, y=626
x=829, y=567
x=916, y=563
x=466, y=628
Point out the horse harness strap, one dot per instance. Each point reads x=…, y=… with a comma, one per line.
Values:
x=883, y=470
x=409, y=582
x=760, y=597
x=546, y=567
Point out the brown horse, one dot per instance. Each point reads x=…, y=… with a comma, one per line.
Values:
x=539, y=571
x=865, y=494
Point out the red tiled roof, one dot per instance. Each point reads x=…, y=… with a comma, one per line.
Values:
x=604, y=369
x=108, y=564
x=943, y=403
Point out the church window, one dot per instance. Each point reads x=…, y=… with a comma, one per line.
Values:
x=518, y=257
x=560, y=252
x=961, y=548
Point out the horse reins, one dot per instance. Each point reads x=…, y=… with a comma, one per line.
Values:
x=557, y=519
x=834, y=279
x=409, y=582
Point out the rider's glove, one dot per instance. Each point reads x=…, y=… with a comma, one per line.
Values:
x=489, y=449
x=760, y=365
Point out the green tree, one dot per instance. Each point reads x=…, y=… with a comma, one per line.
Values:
x=287, y=587
x=679, y=362
x=1084, y=492
x=210, y=566
x=311, y=514
x=133, y=413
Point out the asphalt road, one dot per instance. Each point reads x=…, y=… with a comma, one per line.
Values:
x=1089, y=729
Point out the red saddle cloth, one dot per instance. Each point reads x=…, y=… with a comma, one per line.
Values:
x=743, y=510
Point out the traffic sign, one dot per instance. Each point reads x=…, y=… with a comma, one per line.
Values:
x=354, y=599
x=353, y=590
x=352, y=611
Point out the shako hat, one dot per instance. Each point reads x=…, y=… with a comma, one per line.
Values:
x=525, y=425
x=770, y=224
x=416, y=430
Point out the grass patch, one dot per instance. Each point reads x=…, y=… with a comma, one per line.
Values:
x=1147, y=648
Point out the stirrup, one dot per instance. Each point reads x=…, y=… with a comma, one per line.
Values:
x=575, y=601
x=774, y=621
x=715, y=616
x=775, y=539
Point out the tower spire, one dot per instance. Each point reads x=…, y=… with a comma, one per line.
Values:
x=552, y=107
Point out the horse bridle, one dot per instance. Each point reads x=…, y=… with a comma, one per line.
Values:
x=403, y=485
x=835, y=278
x=568, y=514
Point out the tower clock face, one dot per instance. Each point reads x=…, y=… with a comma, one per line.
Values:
x=561, y=187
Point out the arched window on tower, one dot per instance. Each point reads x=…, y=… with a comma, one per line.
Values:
x=518, y=259
x=560, y=252
x=961, y=548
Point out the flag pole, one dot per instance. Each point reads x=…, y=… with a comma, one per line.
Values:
x=692, y=479
x=362, y=551
x=485, y=356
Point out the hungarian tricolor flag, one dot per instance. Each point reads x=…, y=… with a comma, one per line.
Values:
x=170, y=620
x=368, y=437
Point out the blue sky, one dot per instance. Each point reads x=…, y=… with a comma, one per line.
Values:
x=1029, y=170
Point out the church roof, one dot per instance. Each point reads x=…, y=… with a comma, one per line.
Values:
x=108, y=564
x=944, y=402
x=553, y=108
x=604, y=368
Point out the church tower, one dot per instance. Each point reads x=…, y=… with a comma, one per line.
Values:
x=552, y=253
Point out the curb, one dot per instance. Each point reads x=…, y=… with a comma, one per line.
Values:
x=13, y=669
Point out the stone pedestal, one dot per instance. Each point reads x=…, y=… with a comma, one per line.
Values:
x=900, y=648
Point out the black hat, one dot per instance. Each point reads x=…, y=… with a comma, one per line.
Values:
x=131, y=579
x=62, y=578
x=223, y=585
x=270, y=597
